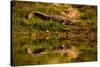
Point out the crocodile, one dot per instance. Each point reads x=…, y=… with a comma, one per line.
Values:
x=58, y=18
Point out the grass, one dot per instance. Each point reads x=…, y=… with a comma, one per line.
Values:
x=46, y=34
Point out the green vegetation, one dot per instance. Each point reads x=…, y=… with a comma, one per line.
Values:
x=51, y=37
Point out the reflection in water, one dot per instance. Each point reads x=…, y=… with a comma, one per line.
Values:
x=72, y=52
x=63, y=49
x=60, y=46
x=55, y=47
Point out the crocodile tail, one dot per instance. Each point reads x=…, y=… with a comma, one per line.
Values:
x=39, y=14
